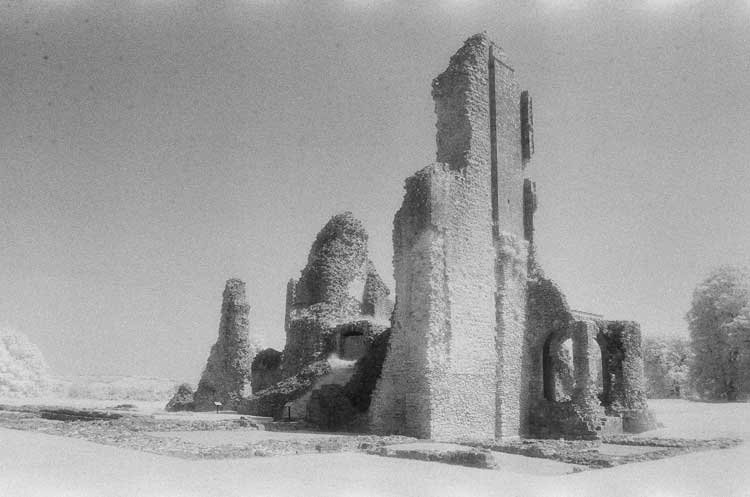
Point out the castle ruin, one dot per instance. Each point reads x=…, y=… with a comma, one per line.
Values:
x=481, y=345
x=477, y=327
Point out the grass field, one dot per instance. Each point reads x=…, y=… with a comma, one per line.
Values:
x=33, y=464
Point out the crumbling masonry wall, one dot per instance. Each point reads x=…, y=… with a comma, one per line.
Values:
x=338, y=285
x=227, y=376
x=512, y=396
x=266, y=369
x=548, y=317
x=478, y=346
x=622, y=370
x=550, y=323
x=457, y=237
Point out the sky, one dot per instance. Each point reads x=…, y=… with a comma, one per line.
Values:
x=152, y=149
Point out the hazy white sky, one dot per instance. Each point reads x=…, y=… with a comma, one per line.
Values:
x=149, y=150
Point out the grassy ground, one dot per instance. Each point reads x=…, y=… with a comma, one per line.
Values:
x=40, y=464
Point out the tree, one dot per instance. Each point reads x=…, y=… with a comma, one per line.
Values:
x=666, y=366
x=717, y=328
x=738, y=338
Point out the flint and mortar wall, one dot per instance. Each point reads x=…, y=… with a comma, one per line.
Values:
x=622, y=362
x=337, y=263
x=586, y=355
x=227, y=376
x=439, y=379
x=512, y=395
x=338, y=285
x=622, y=369
x=266, y=369
x=507, y=163
x=507, y=171
x=375, y=301
x=291, y=298
x=547, y=314
x=402, y=402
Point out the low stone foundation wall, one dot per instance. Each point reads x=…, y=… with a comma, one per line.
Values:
x=440, y=452
x=638, y=420
x=562, y=420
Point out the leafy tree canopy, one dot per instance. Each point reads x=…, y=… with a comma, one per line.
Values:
x=719, y=322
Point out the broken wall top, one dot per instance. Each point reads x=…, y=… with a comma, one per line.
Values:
x=481, y=115
x=339, y=270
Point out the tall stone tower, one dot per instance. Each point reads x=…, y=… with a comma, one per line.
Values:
x=454, y=370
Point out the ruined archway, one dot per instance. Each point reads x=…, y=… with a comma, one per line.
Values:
x=563, y=356
x=558, y=377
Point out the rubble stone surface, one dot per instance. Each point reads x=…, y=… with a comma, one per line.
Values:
x=182, y=399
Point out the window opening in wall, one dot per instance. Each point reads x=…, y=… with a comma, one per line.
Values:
x=350, y=344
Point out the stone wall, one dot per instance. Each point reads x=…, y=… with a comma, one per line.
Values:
x=564, y=374
x=622, y=367
x=580, y=415
x=529, y=208
x=227, y=376
x=512, y=396
x=309, y=338
x=182, y=400
x=507, y=161
x=271, y=401
x=452, y=320
x=402, y=401
x=266, y=369
x=586, y=365
x=548, y=316
x=622, y=361
x=561, y=420
x=375, y=301
x=615, y=345
x=337, y=263
x=351, y=341
x=367, y=370
x=338, y=285
x=291, y=298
